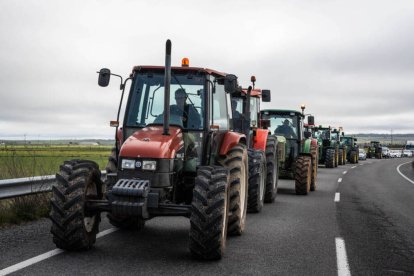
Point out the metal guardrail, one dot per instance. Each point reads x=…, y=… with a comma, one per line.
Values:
x=28, y=185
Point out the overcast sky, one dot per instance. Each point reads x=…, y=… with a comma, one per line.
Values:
x=350, y=62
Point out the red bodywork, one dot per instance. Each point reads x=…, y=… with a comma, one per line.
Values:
x=230, y=140
x=259, y=140
x=149, y=142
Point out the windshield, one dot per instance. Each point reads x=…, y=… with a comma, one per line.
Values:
x=284, y=125
x=186, y=100
x=322, y=134
x=347, y=140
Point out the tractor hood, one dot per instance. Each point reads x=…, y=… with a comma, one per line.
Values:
x=149, y=142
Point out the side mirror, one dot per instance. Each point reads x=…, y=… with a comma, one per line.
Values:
x=355, y=139
x=311, y=120
x=104, y=76
x=266, y=96
x=308, y=134
x=343, y=134
x=230, y=84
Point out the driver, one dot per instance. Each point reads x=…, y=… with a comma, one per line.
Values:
x=285, y=129
x=187, y=112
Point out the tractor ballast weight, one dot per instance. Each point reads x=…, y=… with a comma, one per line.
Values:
x=168, y=160
x=297, y=154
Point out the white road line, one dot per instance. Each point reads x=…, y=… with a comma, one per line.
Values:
x=398, y=170
x=341, y=258
x=340, y=180
x=353, y=167
x=337, y=197
x=45, y=256
x=345, y=172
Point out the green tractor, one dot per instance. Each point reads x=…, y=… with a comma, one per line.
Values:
x=374, y=150
x=352, y=149
x=297, y=151
x=328, y=147
x=342, y=149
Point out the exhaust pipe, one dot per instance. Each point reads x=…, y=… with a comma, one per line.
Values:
x=247, y=128
x=167, y=82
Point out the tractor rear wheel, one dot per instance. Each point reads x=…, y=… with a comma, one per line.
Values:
x=209, y=214
x=257, y=177
x=330, y=158
x=236, y=162
x=352, y=157
x=336, y=157
x=272, y=169
x=73, y=226
x=341, y=157
x=303, y=173
x=123, y=222
x=314, y=153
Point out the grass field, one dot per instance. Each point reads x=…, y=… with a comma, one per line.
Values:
x=34, y=160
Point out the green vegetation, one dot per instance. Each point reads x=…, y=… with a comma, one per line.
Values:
x=33, y=160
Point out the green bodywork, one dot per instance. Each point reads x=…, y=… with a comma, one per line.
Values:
x=289, y=148
x=325, y=141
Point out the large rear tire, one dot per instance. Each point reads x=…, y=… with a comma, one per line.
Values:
x=314, y=153
x=257, y=179
x=330, y=158
x=236, y=162
x=73, y=226
x=123, y=222
x=209, y=214
x=303, y=173
x=352, y=157
x=341, y=157
x=272, y=169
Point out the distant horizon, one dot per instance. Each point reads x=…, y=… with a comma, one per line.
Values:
x=56, y=138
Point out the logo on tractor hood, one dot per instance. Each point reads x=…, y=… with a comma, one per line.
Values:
x=146, y=139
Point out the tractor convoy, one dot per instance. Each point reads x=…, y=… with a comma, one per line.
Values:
x=192, y=142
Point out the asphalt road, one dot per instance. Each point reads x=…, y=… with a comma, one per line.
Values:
x=294, y=236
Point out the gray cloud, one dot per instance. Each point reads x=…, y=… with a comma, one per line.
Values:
x=350, y=62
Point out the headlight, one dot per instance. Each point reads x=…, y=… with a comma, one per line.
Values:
x=128, y=164
x=149, y=165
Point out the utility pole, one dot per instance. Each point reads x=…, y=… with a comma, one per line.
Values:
x=392, y=140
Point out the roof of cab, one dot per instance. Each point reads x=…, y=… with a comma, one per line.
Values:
x=282, y=112
x=179, y=68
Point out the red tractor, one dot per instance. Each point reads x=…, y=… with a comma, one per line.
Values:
x=179, y=159
x=262, y=147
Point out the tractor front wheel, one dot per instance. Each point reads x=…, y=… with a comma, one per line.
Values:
x=303, y=173
x=236, y=162
x=73, y=226
x=209, y=214
x=257, y=177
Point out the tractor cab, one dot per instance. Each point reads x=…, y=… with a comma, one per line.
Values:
x=352, y=149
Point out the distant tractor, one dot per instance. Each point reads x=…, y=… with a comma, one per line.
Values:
x=328, y=147
x=336, y=136
x=262, y=147
x=374, y=150
x=298, y=153
x=178, y=159
x=352, y=149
